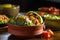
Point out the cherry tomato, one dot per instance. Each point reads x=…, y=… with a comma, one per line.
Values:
x=51, y=32
x=47, y=34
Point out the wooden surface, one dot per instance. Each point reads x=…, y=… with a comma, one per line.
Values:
x=8, y=36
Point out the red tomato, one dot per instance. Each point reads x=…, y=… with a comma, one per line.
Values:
x=51, y=32
x=37, y=22
x=47, y=34
x=42, y=14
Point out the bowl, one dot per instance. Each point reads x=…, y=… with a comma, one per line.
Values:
x=9, y=9
x=53, y=24
x=25, y=31
x=52, y=21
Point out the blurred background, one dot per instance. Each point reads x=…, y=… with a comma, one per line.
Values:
x=27, y=5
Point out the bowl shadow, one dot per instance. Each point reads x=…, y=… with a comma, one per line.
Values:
x=13, y=37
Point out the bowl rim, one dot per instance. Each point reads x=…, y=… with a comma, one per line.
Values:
x=26, y=26
x=52, y=19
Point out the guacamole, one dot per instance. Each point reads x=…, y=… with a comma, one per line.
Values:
x=52, y=17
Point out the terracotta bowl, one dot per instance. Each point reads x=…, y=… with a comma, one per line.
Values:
x=25, y=31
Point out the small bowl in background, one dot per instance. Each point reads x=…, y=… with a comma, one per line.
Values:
x=52, y=24
x=9, y=10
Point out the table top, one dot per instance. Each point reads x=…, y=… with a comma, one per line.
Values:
x=8, y=36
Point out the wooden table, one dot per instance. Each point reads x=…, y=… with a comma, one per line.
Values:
x=8, y=36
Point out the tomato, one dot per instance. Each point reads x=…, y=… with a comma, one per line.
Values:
x=47, y=34
x=42, y=14
x=37, y=22
x=31, y=17
x=51, y=32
